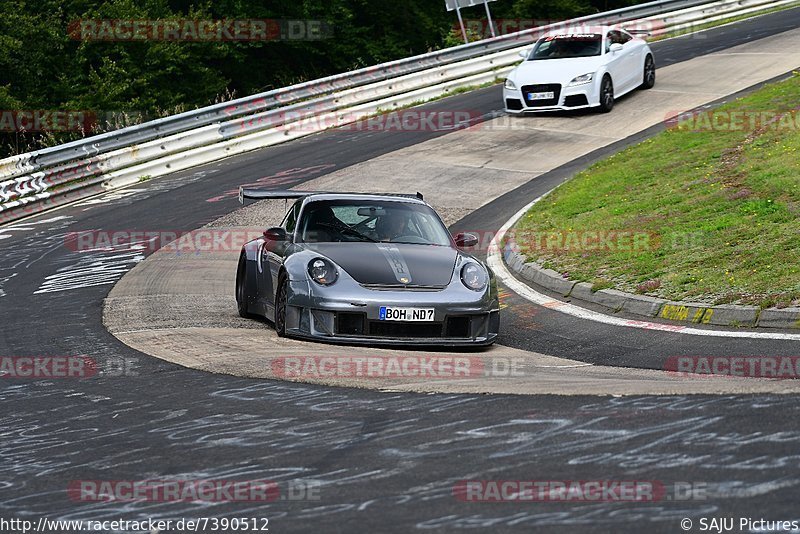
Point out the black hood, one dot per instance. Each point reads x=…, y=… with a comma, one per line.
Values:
x=391, y=263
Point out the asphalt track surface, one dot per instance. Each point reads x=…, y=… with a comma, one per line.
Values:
x=383, y=462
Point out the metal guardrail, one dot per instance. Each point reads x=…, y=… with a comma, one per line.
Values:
x=33, y=182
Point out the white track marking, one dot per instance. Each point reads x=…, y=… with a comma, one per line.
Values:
x=495, y=261
x=29, y=226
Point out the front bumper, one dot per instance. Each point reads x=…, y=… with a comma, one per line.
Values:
x=461, y=317
x=566, y=98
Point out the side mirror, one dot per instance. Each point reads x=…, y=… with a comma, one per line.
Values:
x=465, y=240
x=275, y=234
x=615, y=47
x=524, y=53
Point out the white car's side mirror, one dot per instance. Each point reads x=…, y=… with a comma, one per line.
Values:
x=524, y=53
x=615, y=47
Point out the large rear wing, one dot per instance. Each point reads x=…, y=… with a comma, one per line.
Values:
x=261, y=194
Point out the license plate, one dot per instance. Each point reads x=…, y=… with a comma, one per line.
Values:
x=390, y=313
x=541, y=96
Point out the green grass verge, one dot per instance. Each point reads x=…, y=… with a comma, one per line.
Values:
x=715, y=208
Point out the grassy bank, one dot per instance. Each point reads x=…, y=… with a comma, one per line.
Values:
x=712, y=203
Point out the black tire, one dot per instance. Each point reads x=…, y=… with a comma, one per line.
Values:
x=649, y=73
x=280, y=305
x=606, y=94
x=241, y=287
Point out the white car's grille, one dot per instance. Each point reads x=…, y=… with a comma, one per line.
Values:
x=555, y=88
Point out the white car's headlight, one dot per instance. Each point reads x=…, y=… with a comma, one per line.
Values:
x=582, y=79
x=509, y=84
x=474, y=276
x=322, y=272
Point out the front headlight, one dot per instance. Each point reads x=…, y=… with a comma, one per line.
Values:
x=582, y=79
x=322, y=271
x=509, y=84
x=474, y=276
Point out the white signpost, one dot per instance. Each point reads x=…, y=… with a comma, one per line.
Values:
x=458, y=4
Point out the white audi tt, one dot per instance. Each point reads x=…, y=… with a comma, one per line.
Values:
x=573, y=70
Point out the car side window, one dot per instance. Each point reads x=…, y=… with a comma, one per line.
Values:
x=543, y=50
x=290, y=221
x=609, y=41
x=624, y=37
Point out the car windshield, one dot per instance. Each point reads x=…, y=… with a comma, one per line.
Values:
x=567, y=45
x=325, y=221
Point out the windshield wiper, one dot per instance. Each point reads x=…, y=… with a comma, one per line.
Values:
x=349, y=230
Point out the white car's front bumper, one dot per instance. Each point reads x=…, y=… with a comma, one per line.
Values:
x=565, y=98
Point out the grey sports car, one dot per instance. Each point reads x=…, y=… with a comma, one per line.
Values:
x=366, y=268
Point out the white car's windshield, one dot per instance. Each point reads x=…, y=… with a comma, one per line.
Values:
x=567, y=45
x=372, y=220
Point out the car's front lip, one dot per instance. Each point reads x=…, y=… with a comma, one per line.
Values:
x=397, y=341
x=526, y=109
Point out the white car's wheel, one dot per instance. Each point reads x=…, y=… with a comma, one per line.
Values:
x=649, y=75
x=606, y=94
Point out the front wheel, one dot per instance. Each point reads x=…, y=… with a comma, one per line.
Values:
x=280, y=306
x=606, y=94
x=649, y=74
